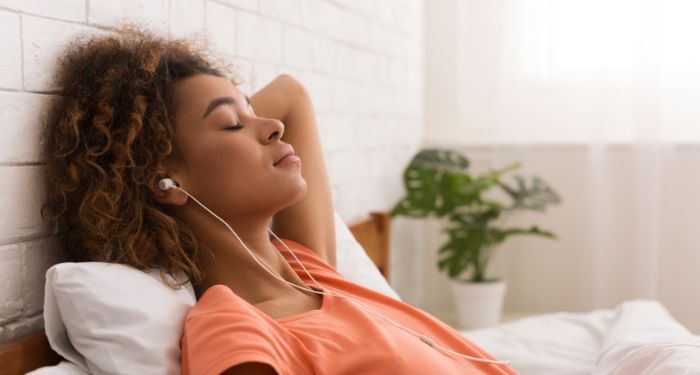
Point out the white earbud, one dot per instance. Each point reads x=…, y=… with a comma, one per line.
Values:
x=165, y=184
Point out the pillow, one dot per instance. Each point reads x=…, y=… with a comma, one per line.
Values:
x=354, y=263
x=112, y=318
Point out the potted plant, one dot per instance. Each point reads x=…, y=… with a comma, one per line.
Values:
x=438, y=184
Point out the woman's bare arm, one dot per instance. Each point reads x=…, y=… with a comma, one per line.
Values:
x=310, y=221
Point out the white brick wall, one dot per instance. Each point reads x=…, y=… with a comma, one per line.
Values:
x=360, y=59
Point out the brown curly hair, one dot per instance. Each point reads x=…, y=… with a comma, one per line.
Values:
x=107, y=138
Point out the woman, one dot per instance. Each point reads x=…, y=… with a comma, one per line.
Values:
x=137, y=108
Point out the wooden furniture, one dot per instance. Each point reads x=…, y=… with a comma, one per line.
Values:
x=25, y=353
x=31, y=351
x=373, y=234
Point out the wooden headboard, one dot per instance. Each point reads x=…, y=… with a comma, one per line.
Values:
x=31, y=351
x=373, y=234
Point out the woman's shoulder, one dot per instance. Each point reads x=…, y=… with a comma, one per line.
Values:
x=290, y=243
x=307, y=256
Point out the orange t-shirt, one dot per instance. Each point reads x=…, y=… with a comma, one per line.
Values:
x=223, y=330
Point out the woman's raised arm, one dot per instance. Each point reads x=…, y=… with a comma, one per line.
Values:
x=310, y=221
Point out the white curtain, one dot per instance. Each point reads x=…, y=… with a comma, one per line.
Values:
x=601, y=98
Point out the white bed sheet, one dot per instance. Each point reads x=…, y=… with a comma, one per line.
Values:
x=623, y=340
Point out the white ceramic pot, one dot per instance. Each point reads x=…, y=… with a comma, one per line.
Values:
x=479, y=305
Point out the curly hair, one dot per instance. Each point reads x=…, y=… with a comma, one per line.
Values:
x=107, y=138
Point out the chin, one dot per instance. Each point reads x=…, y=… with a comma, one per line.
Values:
x=293, y=193
x=302, y=191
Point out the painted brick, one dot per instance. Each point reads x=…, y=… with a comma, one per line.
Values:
x=21, y=196
x=362, y=94
x=22, y=327
x=11, y=57
x=343, y=60
x=309, y=12
x=408, y=20
x=152, y=14
x=336, y=132
x=10, y=283
x=186, y=17
x=250, y=5
x=385, y=12
x=69, y=10
x=377, y=168
x=363, y=67
x=378, y=102
x=343, y=97
x=379, y=42
x=37, y=257
x=21, y=116
x=287, y=11
x=353, y=202
x=416, y=5
x=221, y=27
x=42, y=41
x=320, y=87
x=352, y=28
x=263, y=74
x=10, y=4
x=341, y=166
x=326, y=16
x=244, y=72
x=258, y=38
x=390, y=39
x=298, y=48
x=366, y=7
x=324, y=58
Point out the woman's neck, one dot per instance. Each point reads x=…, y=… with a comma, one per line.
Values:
x=232, y=265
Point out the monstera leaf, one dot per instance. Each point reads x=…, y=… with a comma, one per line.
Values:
x=433, y=181
x=440, y=159
x=469, y=248
x=535, y=197
x=437, y=183
x=477, y=216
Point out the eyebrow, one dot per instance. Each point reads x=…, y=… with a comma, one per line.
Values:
x=220, y=101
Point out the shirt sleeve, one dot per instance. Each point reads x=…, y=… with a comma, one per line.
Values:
x=221, y=333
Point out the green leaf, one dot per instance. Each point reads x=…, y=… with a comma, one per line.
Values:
x=440, y=159
x=535, y=197
x=534, y=230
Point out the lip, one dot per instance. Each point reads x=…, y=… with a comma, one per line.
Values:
x=285, y=151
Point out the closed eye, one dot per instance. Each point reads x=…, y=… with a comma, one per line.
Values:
x=235, y=127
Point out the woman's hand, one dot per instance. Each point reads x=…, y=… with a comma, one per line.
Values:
x=311, y=220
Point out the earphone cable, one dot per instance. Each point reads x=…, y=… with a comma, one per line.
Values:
x=423, y=338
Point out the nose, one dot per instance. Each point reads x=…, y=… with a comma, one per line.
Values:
x=273, y=129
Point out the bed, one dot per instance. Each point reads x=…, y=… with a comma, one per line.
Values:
x=636, y=337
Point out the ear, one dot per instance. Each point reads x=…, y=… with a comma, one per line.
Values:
x=172, y=196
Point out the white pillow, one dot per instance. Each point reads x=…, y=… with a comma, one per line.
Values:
x=112, y=318
x=354, y=263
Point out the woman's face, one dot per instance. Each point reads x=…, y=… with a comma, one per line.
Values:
x=229, y=152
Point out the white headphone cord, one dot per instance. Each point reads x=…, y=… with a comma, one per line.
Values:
x=423, y=338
